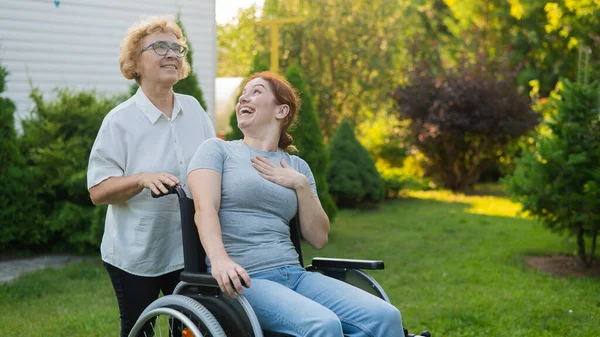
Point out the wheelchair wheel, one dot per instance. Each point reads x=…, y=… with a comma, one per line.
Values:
x=176, y=316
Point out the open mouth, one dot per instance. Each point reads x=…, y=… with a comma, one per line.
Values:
x=169, y=66
x=246, y=111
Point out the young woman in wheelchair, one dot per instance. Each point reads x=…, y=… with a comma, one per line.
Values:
x=245, y=194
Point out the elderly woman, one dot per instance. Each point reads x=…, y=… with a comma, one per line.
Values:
x=143, y=145
x=245, y=194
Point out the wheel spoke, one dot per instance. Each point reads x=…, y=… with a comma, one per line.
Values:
x=170, y=325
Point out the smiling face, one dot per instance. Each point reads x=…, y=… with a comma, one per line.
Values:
x=258, y=106
x=154, y=69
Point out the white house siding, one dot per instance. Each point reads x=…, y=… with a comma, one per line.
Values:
x=76, y=43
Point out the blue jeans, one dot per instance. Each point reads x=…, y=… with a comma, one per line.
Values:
x=300, y=303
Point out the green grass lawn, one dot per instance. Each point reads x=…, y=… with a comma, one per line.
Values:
x=454, y=265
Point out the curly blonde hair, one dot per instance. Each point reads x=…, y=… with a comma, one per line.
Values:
x=131, y=45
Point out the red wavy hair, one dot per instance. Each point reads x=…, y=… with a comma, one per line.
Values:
x=284, y=93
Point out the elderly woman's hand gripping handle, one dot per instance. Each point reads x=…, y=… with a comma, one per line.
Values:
x=314, y=222
x=205, y=186
x=115, y=190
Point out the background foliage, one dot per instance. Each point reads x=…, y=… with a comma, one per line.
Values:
x=18, y=208
x=463, y=119
x=308, y=138
x=559, y=182
x=352, y=176
x=56, y=143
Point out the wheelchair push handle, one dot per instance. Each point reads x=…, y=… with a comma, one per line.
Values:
x=177, y=189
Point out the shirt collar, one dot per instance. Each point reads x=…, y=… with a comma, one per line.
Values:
x=151, y=111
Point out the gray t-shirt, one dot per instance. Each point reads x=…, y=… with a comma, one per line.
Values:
x=255, y=213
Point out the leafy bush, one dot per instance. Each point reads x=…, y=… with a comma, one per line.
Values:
x=352, y=176
x=462, y=120
x=409, y=176
x=384, y=136
x=18, y=209
x=308, y=138
x=56, y=143
x=559, y=182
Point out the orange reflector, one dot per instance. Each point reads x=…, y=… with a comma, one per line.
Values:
x=187, y=333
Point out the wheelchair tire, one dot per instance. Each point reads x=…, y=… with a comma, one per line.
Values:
x=172, y=306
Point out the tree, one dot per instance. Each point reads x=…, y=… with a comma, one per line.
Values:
x=541, y=36
x=559, y=182
x=550, y=34
x=461, y=120
x=18, y=209
x=354, y=54
x=189, y=85
x=349, y=53
x=352, y=176
x=237, y=43
x=351, y=72
x=235, y=133
x=308, y=138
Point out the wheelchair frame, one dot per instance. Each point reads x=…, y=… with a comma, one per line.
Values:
x=198, y=300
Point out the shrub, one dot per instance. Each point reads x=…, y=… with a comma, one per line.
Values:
x=56, y=143
x=384, y=136
x=352, y=176
x=461, y=120
x=559, y=182
x=308, y=138
x=18, y=209
x=409, y=176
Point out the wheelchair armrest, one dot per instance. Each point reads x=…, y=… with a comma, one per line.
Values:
x=199, y=279
x=326, y=262
x=202, y=279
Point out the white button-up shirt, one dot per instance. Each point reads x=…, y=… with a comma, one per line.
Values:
x=143, y=235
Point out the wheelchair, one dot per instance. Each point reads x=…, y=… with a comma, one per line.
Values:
x=197, y=306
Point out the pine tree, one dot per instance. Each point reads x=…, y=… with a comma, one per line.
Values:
x=559, y=182
x=352, y=176
x=308, y=138
x=257, y=66
x=189, y=85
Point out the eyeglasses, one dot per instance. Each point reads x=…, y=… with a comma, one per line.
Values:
x=162, y=48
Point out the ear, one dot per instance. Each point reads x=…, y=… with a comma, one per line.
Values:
x=283, y=111
x=136, y=72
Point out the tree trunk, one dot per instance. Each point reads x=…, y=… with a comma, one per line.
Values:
x=581, y=245
x=593, y=249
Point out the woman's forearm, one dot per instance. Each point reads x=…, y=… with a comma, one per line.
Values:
x=314, y=222
x=209, y=231
x=115, y=190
